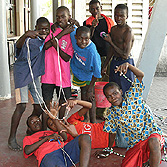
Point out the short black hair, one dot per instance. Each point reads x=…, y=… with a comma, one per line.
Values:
x=94, y=1
x=122, y=6
x=42, y=20
x=111, y=84
x=29, y=119
x=83, y=29
x=28, y=131
x=63, y=8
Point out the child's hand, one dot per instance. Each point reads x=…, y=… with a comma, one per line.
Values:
x=95, y=22
x=68, y=29
x=32, y=34
x=90, y=95
x=54, y=110
x=53, y=41
x=54, y=27
x=73, y=21
x=69, y=128
x=108, y=38
x=101, y=154
x=103, y=71
x=122, y=68
x=55, y=137
x=72, y=103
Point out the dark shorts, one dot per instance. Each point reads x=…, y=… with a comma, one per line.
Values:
x=48, y=90
x=56, y=158
x=120, y=80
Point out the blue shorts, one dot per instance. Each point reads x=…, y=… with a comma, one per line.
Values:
x=120, y=80
x=22, y=94
x=56, y=158
x=120, y=141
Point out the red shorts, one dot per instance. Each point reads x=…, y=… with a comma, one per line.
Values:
x=139, y=153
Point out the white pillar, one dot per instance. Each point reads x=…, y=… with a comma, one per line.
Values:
x=80, y=11
x=35, y=12
x=153, y=44
x=55, y=6
x=62, y=2
x=5, y=92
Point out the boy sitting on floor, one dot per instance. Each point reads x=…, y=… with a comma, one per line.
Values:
x=46, y=146
x=93, y=129
x=135, y=120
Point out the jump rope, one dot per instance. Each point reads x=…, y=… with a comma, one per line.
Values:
x=41, y=98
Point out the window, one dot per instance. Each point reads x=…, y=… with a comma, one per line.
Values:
x=11, y=17
x=26, y=15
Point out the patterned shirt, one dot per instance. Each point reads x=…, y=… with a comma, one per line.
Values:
x=134, y=118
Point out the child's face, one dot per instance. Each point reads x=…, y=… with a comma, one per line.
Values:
x=62, y=18
x=114, y=95
x=120, y=16
x=51, y=125
x=43, y=29
x=95, y=10
x=82, y=39
x=35, y=124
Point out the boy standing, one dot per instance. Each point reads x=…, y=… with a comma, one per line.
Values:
x=22, y=76
x=121, y=39
x=135, y=120
x=98, y=23
x=85, y=65
x=51, y=79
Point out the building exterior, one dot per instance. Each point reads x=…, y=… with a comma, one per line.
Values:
x=20, y=16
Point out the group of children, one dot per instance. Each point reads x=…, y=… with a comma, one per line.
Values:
x=48, y=53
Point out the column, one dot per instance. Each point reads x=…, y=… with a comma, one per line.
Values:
x=153, y=44
x=55, y=6
x=35, y=12
x=5, y=91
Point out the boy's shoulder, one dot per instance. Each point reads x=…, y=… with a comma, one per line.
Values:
x=124, y=29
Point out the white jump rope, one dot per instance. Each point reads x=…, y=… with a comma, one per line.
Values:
x=41, y=98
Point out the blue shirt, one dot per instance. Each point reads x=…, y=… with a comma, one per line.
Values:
x=22, y=75
x=86, y=62
x=134, y=118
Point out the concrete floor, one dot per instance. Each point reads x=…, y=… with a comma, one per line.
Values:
x=9, y=158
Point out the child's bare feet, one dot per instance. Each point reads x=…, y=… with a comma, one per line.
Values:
x=12, y=144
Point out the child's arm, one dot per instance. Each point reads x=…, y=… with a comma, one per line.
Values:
x=28, y=149
x=63, y=55
x=73, y=21
x=67, y=30
x=124, y=67
x=30, y=34
x=94, y=25
x=127, y=43
x=111, y=139
x=106, y=151
x=90, y=94
x=85, y=106
x=69, y=128
x=108, y=58
x=54, y=111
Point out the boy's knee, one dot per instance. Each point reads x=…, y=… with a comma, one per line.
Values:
x=21, y=107
x=154, y=144
x=84, y=138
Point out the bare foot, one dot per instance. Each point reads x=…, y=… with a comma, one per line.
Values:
x=12, y=144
